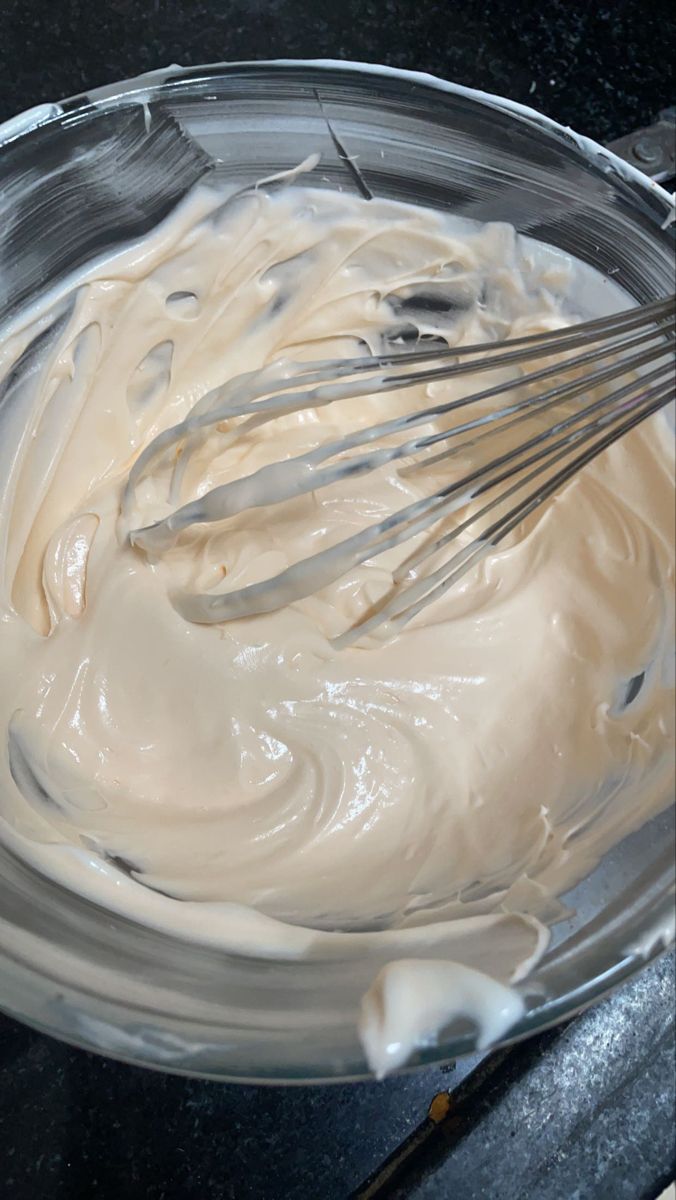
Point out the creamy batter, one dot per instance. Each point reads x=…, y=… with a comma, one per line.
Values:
x=423, y=796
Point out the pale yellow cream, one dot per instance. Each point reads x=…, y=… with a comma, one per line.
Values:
x=427, y=794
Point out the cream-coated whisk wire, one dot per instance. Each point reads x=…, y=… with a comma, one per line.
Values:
x=600, y=378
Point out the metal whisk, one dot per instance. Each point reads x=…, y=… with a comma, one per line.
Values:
x=599, y=380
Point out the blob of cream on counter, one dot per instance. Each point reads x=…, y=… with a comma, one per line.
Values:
x=421, y=800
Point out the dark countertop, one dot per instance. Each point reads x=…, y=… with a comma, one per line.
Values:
x=75, y=1126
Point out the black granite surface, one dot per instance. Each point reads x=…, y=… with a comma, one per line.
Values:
x=583, y=1113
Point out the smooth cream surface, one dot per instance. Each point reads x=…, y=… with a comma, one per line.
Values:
x=429, y=793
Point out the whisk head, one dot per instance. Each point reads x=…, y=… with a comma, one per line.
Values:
x=547, y=404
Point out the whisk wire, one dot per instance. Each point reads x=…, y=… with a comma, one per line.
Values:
x=245, y=396
x=268, y=485
x=637, y=345
x=439, y=582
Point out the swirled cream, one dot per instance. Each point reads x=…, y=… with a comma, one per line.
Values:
x=420, y=797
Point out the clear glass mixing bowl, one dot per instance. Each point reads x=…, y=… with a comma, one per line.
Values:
x=82, y=178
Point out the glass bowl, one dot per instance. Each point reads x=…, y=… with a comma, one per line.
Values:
x=81, y=179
